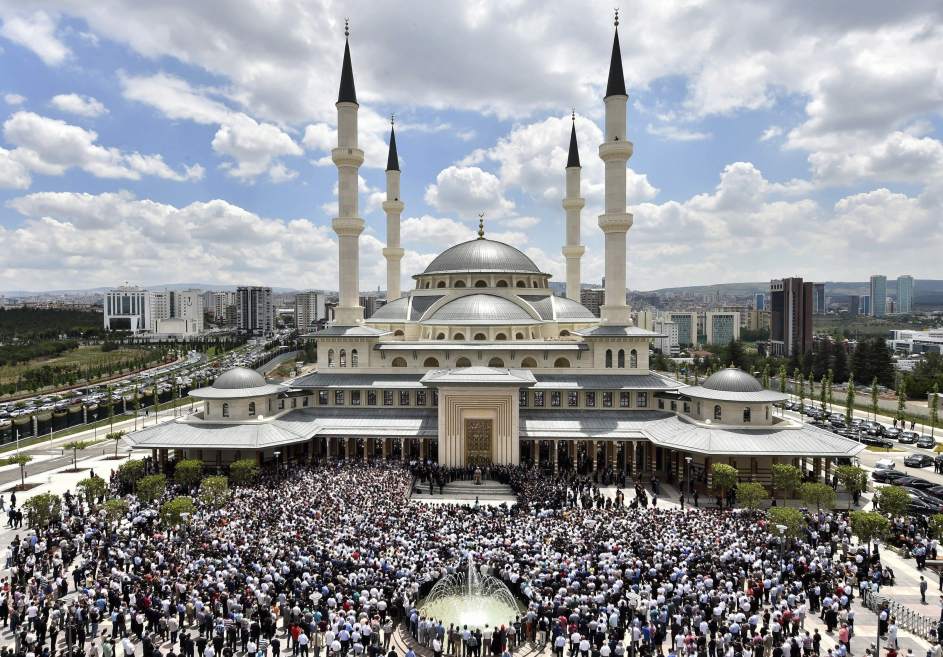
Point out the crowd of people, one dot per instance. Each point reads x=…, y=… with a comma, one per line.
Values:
x=325, y=560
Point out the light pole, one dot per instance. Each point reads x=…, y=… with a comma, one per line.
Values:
x=782, y=547
x=687, y=461
x=278, y=463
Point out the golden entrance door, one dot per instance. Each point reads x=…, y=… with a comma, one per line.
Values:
x=478, y=434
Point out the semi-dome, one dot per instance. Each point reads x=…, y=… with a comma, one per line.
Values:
x=482, y=255
x=480, y=309
x=731, y=379
x=239, y=378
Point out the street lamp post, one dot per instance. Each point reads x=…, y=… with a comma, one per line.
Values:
x=687, y=461
x=782, y=547
x=278, y=463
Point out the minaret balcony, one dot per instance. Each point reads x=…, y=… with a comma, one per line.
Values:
x=574, y=203
x=615, y=150
x=615, y=222
x=349, y=157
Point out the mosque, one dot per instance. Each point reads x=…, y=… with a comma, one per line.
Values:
x=481, y=363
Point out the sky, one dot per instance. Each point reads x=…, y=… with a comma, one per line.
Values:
x=182, y=141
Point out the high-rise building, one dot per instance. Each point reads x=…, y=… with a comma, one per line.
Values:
x=218, y=304
x=759, y=301
x=722, y=327
x=864, y=305
x=687, y=327
x=188, y=306
x=790, y=301
x=905, y=294
x=878, y=295
x=127, y=308
x=758, y=320
x=593, y=298
x=667, y=343
x=818, y=298
x=854, y=305
x=369, y=304
x=645, y=319
x=161, y=309
x=309, y=310
x=254, y=311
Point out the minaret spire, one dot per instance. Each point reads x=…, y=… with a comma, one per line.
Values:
x=615, y=152
x=347, y=224
x=573, y=204
x=393, y=207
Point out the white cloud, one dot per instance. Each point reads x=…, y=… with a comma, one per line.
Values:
x=51, y=147
x=14, y=99
x=252, y=145
x=36, y=32
x=76, y=104
x=12, y=172
x=674, y=133
x=466, y=191
x=771, y=133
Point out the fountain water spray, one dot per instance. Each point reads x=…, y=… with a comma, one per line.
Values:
x=469, y=599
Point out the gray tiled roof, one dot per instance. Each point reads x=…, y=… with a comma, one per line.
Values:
x=603, y=381
x=481, y=255
x=480, y=308
x=542, y=304
x=350, y=331
x=605, y=331
x=479, y=376
x=333, y=379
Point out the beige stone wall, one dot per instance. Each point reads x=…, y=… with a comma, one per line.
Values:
x=731, y=412
x=461, y=403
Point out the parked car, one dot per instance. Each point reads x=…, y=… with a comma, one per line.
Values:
x=914, y=482
x=918, y=460
x=907, y=437
x=885, y=464
x=874, y=441
x=887, y=476
x=873, y=428
x=891, y=432
x=926, y=442
x=936, y=491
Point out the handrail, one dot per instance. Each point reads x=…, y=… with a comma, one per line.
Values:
x=907, y=619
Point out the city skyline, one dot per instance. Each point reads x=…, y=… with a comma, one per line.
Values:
x=128, y=153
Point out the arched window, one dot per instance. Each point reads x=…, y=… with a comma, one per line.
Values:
x=536, y=284
x=767, y=412
x=501, y=283
x=427, y=286
x=397, y=333
x=608, y=357
x=717, y=414
x=330, y=358
x=462, y=362
x=225, y=409
x=399, y=361
x=495, y=362
x=458, y=336
x=343, y=358
x=440, y=284
x=521, y=284
x=746, y=414
x=564, y=333
x=430, y=362
x=621, y=361
x=633, y=358
x=481, y=283
x=440, y=336
x=459, y=283
x=529, y=362
x=518, y=336
x=561, y=362
x=481, y=336
x=353, y=358
x=500, y=336
x=251, y=409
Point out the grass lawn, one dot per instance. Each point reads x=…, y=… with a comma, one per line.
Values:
x=875, y=448
x=84, y=356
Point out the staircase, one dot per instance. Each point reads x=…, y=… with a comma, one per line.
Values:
x=465, y=492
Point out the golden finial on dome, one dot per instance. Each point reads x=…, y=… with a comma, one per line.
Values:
x=481, y=225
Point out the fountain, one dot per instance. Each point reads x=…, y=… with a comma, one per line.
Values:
x=470, y=599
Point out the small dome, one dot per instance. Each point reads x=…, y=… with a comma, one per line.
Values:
x=482, y=255
x=396, y=310
x=239, y=378
x=480, y=308
x=731, y=379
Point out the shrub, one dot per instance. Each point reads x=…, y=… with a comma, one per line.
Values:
x=214, y=492
x=188, y=473
x=151, y=487
x=243, y=471
x=171, y=511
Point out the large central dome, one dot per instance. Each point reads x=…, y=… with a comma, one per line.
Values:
x=481, y=255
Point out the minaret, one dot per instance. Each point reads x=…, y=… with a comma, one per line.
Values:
x=615, y=152
x=573, y=203
x=393, y=207
x=347, y=225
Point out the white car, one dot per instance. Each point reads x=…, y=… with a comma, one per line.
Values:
x=885, y=464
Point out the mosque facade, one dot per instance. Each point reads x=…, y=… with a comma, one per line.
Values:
x=480, y=363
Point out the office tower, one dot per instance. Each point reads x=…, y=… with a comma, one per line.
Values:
x=878, y=295
x=759, y=301
x=905, y=294
x=854, y=305
x=593, y=299
x=818, y=298
x=722, y=327
x=790, y=301
x=309, y=309
x=254, y=312
x=127, y=308
x=687, y=327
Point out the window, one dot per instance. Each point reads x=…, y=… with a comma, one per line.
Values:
x=459, y=283
x=500, y=336
x=624, y=399
x=462, y=362
x=521, y=284
x=371, y=397
x=717, y=413
x=338, y=397
x=387, y=397
x=687, y=407
x=420, y=398
x=304, y=402
x=440, y=284
x=225, y=409
x=430, y=362
x=399, y=361
x=561, y=362
x=435, y=397
x=281, y=404
x=355, y=398
x=502, y=283
x=746, y=414
x=495, y=362
x=621, y=361
x=608, y=357
x=528, y=362
x=481, y=283
x=251, y=409
x=633, y=358
x=699, y=409
x=268, y=404
x=522, y=399
x=607, y=399
x=518, y=336
x=330, y=358
x=404, y=397
x=564, y=333
x=294, y=402
x=322, y=398
x=591, y=400
x=440, y=336
x=555, y=398
x=398, y=333
x=674, y=405
x=641, y=399
x=767, y=412
x=539, y=398
x=481, y=336
x=661, y=404
x=572, y=398
x=343, y=358
x=353, y=358
x=458, y=336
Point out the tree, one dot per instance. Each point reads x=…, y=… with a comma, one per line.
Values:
x=751, y=495
x=821, y=359
x=130, y=472
x=111, y=415
x=869, y=525
x=817, y=495
x=93, y=488
x=44, y=508
x=151, y=487
x=188, y=473
x=850, y=400
x=874, y=399
x=20, y=460
x=172, y=511
x=724, y=478
x=853, y=479
x=831, y=379
x=75, y=446
x=861, y=361
x=893, y=500
x=789, y=517
x=243, y=471
x=901, y=400
x=782, y=379
x=115, y=436
x=214, y=492
x=823, y=391
x=936, y=525
x=934, y=408
x=786, y=479
x=116, y=508
x=798, y=386
x=766, y=376
x=840, y=364
x=882, y=362
x=736, y=355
